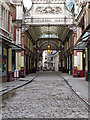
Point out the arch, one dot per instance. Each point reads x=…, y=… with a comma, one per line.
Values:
x=48, y=43
x=48, y=38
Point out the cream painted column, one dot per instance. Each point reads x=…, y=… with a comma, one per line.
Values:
x=86, y=59
x=10, y=64
x=80, y=63
x=28, y=63
x=22, y=52
x=63, y=67
x=37, y=60
x=22, y=61
x=22, y=57
x=75, y=72
x=86, y=67
x=34, y=64
x=75, y=58
x=80, y=55
x=59, y=65
x=17, y=60
x=67, y=65
x=63, y=63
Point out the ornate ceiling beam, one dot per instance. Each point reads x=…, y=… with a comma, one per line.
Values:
x=41, y=39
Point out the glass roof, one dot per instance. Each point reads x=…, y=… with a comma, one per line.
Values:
x=86, y=35
x=49, y=36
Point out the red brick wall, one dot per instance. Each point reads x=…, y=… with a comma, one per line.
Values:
x=14, y=33
x=14, y=13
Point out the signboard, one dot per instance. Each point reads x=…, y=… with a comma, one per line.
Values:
x=64, y=21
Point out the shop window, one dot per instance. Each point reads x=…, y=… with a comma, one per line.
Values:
x=4, y=66
x=2, y=16
x=4, y=62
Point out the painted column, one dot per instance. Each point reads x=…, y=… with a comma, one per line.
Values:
x=28, y=64
x=37, y=61
x=80, y=63
x=86, y=67
x=89, y=61
x=75, y=72
x=17, y=60
x=59, y=65
x=67, y=66
x=63, y=65
x=22, y=57
x=10, y=64
x=19, y=64
x=34, y=65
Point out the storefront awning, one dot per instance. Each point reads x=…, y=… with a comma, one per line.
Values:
x=18, y=48
x=11, y=44
x=82, y=41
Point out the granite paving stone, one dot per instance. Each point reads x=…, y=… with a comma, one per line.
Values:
x=48, y=96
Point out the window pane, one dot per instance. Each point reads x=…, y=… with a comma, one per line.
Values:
x=4, y=66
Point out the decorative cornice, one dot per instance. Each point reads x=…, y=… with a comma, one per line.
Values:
x=48, y=1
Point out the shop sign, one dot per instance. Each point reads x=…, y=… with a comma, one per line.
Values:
x=50, y=20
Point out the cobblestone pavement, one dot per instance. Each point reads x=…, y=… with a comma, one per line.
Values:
x=48, y=96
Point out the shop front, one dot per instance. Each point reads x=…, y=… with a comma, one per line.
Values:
x=4, y=63
x=83, y=46
x=88, y=61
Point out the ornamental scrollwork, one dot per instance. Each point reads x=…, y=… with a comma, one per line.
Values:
x=48, y=10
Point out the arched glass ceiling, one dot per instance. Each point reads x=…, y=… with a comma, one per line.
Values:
x=49, y=36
